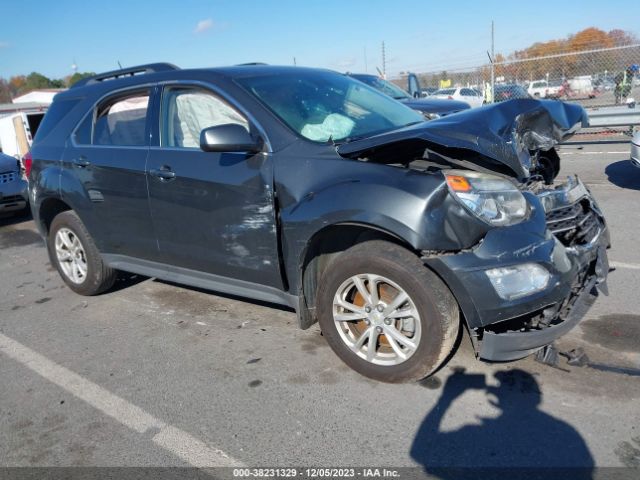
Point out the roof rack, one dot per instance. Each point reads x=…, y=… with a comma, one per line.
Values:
x=126, y=72
x=250, y=64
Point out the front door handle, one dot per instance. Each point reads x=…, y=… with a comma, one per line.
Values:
x=163, y=173
x=81, y=162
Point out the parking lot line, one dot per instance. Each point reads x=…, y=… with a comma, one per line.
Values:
x=594, y=153
x=176, y=441
x=631, y=266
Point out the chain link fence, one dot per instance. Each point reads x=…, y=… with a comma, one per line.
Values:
x=596, y=78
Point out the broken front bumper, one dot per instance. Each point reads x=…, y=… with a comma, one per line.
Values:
x=567, y=235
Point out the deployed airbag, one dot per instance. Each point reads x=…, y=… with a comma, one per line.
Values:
x=333, y=126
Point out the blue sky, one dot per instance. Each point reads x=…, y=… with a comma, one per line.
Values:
x=419, y=35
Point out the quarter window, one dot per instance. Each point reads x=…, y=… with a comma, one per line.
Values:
x=187, y=111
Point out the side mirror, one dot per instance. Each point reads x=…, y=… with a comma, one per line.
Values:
x=229, y=137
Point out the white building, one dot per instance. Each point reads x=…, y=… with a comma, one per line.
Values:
x=39, y=96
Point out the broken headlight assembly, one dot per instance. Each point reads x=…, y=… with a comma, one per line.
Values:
x=493, y=199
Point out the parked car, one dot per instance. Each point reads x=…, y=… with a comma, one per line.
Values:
x=427, y=91
x=430, y=108
x=310, y=189
x=635, y=149
x=467, y=95
x=508, y=91
x=13, y=186
x=544, y=89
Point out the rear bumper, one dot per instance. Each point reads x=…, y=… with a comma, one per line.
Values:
x=506, y=330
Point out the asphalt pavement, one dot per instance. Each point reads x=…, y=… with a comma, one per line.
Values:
x=154, y=374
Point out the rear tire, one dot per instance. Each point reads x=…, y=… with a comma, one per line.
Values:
x=406, y=347
x=76, y=257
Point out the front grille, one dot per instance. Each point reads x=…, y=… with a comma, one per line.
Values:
x=576, y=224
x=11, y=199
x=8, y=177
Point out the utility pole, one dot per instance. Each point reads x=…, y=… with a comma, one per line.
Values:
x=366, y=69
x=384, y=62
x=294, y=62
x=493, y=59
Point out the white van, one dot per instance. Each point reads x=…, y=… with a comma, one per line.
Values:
x=582, y=86
x=17, y=131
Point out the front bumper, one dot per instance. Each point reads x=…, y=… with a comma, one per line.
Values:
x=574, y=254
x=14, y=194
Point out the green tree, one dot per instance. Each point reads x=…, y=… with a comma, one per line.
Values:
x=5, y=91
x=78, y=76
x=36, y=81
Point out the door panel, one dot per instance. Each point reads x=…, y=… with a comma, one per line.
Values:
x=212, y=212
x=110, y=165
x=216, y=215
x=114, y=181
x=21, y=136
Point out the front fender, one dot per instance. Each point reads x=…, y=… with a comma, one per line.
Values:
x=412, y=206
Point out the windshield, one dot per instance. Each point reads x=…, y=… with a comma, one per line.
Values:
x=385, y=87
x=323, y=106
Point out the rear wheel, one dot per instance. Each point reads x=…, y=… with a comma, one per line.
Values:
x=76, y=257
x=385, y=314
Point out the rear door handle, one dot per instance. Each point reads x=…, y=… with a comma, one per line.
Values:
x=163, y=173
x=81, y=161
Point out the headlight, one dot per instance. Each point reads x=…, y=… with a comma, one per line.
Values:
x=518, y=281
x=493, y=199
x=430, y=116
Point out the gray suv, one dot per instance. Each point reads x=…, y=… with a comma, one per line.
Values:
x=309, y=189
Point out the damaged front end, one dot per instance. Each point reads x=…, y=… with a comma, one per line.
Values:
x=581, y=236
x=560, y=248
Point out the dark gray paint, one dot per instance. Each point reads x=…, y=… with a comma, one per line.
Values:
x=236, y=219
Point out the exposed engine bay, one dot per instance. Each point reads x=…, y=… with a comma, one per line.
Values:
x=515, y=138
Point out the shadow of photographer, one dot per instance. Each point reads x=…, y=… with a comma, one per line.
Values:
x=521, y=442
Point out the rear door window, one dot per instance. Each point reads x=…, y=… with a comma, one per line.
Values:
x=122, y=120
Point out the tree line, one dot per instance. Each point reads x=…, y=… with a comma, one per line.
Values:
x=538, y=60
x=21, y=84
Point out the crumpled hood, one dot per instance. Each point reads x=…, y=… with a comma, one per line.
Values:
x=8, y=163
x=435, y=105
x=501, y=134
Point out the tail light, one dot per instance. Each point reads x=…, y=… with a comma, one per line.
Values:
x=27, y=162
x=450, y=97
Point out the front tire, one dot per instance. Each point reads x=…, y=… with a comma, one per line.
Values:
x=385, y=314
x=76, y=257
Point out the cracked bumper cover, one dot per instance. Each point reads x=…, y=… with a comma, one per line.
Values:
x=575, y=273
